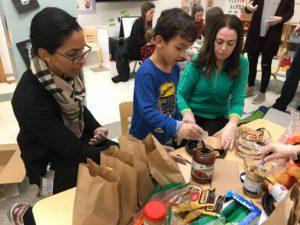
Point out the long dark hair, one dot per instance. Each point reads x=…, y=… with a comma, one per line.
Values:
x=207, y=60
x=144, y=9
x=50, y=28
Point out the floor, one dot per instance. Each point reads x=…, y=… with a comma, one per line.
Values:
x=103, y=98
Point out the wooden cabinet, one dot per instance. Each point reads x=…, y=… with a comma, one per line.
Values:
x=2, y=75
x=291, y=41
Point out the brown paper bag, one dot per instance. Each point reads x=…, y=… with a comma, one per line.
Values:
x=288, y=210
x=137, y=149
x=162, y=166
x=96, y=199
x=122, y=162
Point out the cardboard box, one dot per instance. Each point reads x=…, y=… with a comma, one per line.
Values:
x=253, y=217
x=12, y=168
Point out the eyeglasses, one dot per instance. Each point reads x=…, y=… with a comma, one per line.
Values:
x=86, y=50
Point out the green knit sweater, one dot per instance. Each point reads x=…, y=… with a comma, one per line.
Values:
x=211, y=98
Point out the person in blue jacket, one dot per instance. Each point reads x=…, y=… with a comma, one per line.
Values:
x=154, y=105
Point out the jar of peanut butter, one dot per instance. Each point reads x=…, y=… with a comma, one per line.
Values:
x=253, y=182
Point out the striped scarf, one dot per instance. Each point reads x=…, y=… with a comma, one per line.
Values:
x=69, y=94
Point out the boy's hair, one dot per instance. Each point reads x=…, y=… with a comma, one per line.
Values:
x=196, y=8
x=212, y=15
x=149, y=34
x=207, y=60
x=173, y=22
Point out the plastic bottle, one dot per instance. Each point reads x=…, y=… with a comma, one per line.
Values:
x=154, y=213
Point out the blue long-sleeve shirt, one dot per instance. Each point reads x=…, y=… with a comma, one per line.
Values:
x=154, y=103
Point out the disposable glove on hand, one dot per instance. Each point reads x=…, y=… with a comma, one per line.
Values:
x=278, y=151
x=251, y=7
x=189, y=131
x=227, y=135
x=188, y=117
x=100, y=134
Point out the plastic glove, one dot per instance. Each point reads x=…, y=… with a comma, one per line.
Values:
x=278, y=191
x=227, y=135
x=100, y=134
x=251, y=7
x=188, y=117
x=297, y=30
x=190, y=131
x=273, y=20
x=278, y=151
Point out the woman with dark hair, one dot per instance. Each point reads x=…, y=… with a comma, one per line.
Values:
x=197, y=14
x=57, y=131
x=135, y=41
x=211, y=91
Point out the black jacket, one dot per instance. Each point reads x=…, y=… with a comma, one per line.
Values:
x=136, y=39
x=273, y=35
x=44, y=138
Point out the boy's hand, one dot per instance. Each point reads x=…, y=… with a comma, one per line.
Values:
x=190, y=131
x=188, y=117
x=250, y=7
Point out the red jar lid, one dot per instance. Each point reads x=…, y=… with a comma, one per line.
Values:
x=155, y=211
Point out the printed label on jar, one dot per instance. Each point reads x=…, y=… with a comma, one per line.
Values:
x=252, y=187
x=202, y=171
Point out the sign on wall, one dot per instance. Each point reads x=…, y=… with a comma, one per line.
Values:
x=23, y=6
x=187, y=5
x=235, y=6
x=86, y=6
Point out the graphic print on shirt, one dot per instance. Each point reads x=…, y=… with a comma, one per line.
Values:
x=167, y=99
x=166, y=102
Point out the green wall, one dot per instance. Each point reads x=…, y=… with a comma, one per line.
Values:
x=19, y=25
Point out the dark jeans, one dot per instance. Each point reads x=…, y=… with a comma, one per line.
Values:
x=123, y=58
x=28, y=217
x=211, y=125
x=290, y=84
x=266, y=63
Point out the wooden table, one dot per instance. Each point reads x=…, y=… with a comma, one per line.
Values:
x=58, y=209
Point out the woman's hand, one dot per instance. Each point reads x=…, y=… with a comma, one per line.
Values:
x=278, y=151
x=250, y=6
x=227, y=134
x=188, y=117
x=100, y=134
x=297, y=30
x=273, y=20
x=190, y=131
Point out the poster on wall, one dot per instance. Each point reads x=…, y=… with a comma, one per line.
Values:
x=86, y=6
x=24, y=6
x=187, y=5
x=235, y=7
x=24, y=48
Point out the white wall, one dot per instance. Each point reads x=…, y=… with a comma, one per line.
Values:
x=4, y=53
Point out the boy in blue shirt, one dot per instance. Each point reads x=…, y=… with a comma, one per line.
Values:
x=154, y=104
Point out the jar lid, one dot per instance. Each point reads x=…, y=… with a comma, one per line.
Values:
x=155, y=211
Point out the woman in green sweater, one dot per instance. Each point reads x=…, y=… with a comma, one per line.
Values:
x=211, y=91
